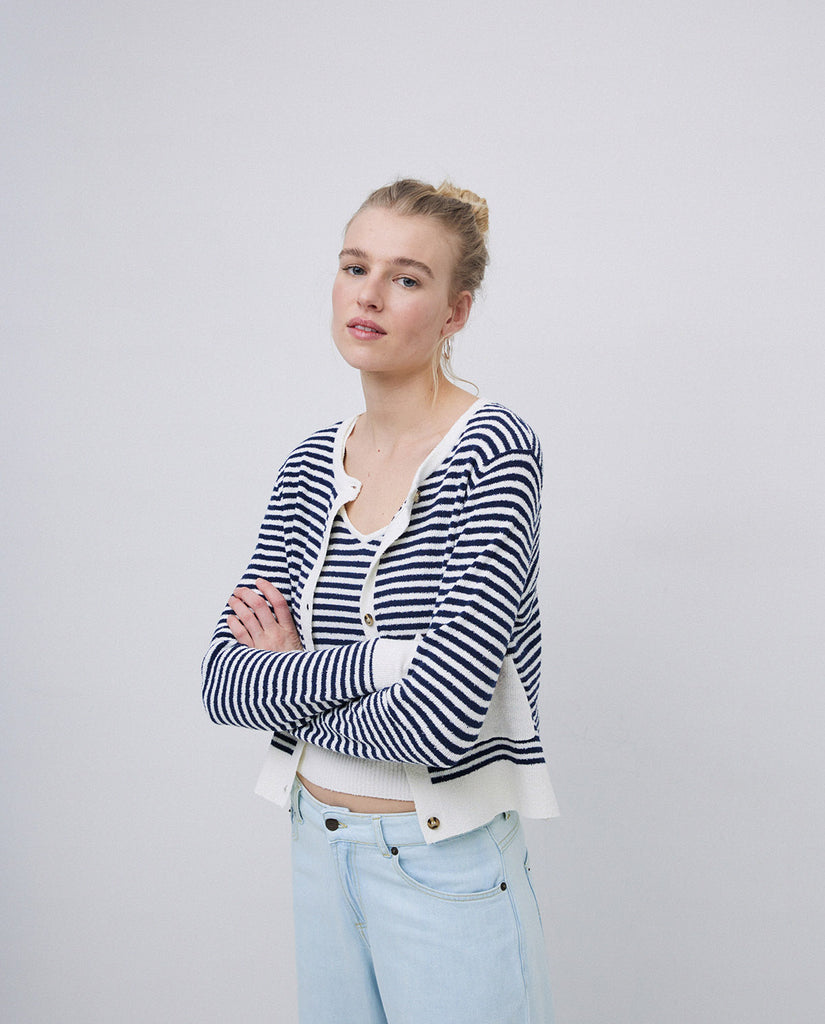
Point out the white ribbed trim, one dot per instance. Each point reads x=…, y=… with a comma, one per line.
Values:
x=460, y=804
x=391, y=661
x=386, y=780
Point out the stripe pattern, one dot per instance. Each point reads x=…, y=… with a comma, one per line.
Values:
x=335, y=616
x=461, y=578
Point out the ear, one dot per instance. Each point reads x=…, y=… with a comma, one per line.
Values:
x=460, y=313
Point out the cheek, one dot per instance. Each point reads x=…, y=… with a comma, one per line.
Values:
x=429, y=318
x=339, y=308
x=337, y=291
x=345, y=289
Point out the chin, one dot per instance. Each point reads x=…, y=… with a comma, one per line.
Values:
x=360, y=356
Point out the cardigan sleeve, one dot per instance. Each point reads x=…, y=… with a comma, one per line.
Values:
x=270, y=689
x=433, y=714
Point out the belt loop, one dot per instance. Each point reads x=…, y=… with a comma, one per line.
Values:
x=379, y=836
x=297, y=792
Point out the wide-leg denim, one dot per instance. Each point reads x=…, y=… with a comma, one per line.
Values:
x=391, y=930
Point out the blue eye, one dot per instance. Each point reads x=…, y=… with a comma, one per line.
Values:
x=354, y=270
x=408, y=282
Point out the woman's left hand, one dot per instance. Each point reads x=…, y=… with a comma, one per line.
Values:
x=263, y=622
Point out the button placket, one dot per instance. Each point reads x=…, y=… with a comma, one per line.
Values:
x=367, y=594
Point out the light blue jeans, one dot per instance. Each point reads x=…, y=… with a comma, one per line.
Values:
x=390, y=930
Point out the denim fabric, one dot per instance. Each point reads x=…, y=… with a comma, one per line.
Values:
x=391, y=930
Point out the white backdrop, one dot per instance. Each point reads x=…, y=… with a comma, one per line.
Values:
x=176, y=179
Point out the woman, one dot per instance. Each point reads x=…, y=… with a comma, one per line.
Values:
x=387, y=631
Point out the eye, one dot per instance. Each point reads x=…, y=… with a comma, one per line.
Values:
x=408, y=282
x=354, y=270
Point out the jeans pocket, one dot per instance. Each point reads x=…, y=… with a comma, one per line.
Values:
x=465, y=867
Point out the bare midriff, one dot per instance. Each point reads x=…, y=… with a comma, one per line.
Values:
x=357, y=804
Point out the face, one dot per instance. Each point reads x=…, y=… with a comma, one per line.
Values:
x=391, y=301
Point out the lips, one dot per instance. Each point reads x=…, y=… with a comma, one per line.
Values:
x=365, y=328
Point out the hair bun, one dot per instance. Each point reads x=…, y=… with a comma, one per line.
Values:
x=464, y=195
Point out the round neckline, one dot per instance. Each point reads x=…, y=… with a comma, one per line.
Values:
x=366, y=537
x=434, y=458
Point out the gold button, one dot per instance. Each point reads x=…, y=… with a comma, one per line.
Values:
x=368, y=619
x=417, y=495
x=433, y=822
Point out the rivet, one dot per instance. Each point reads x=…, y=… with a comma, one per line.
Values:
x=503, y=886
x=394, y=851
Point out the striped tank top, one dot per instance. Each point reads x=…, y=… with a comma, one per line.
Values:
x=336, y=620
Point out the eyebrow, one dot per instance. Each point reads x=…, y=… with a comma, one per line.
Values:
x=399, y=261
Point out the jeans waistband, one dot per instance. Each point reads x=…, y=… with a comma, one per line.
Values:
x=383, y=830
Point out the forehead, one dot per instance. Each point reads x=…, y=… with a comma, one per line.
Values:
x=388, y=236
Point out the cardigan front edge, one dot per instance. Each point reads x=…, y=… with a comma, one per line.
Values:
x=504, y=768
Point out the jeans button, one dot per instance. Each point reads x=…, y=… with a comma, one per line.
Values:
x=331, y=824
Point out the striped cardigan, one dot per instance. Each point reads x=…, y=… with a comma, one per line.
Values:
x=446, y=678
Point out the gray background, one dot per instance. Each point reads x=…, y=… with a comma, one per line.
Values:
x=176, y=178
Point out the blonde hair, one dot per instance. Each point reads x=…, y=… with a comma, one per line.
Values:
x=464, y=215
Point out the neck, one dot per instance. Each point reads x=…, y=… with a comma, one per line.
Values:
x=412, y=408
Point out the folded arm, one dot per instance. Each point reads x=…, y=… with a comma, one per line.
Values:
x=422, y=700
x=255, y=673
x=434, y=714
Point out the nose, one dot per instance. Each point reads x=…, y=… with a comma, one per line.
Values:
x=369, y=294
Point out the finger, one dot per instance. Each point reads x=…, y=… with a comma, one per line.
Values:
x=238, y=630
x=290, y=640
x=258, y=604
x=279, y=603
x=247, y=617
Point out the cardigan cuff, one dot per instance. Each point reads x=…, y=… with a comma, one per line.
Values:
x=391, y=661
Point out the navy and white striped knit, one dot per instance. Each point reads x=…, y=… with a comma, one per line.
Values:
x=335, y=618
x=454, y=575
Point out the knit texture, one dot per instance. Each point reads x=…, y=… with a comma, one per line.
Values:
x=336, y=620
x=455, y=576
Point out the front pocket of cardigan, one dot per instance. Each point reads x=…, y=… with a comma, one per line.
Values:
x=465, y=867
